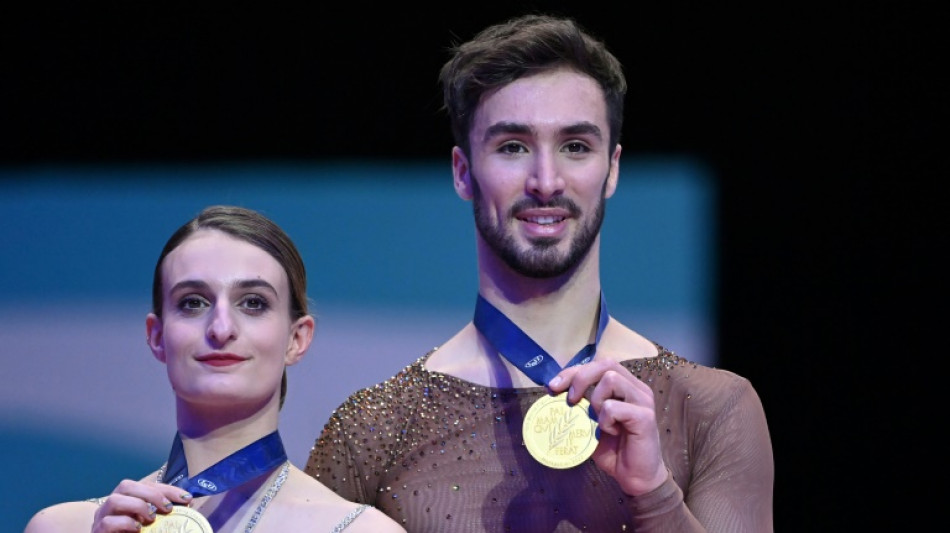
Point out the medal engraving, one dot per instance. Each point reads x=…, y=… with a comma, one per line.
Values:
x=558, y=435
x=179, y=520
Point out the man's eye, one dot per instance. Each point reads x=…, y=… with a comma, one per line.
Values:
x=576, y=147
x=512, y=148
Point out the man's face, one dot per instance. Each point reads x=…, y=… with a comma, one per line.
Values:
x=540, y=171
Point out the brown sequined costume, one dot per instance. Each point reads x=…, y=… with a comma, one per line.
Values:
x=438, y=453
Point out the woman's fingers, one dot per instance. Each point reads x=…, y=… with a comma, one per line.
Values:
x=135, y=503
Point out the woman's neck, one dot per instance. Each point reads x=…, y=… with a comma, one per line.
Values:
x=208, y=439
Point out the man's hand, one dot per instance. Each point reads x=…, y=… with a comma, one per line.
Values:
x=629, y=447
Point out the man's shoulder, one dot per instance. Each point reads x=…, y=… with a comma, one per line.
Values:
x=682, y=381
x=405, y=381
x=680, y=367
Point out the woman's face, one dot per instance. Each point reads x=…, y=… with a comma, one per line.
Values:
x=226, y=333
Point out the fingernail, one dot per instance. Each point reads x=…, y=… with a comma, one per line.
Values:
x=592, y=414
x=556, y=381
x=151, y=509
x=167, y=504
x=186, y=495
x=597, y=433
x=570, y=392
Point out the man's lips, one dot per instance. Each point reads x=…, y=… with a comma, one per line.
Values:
x=544, y=217
x=544, y=222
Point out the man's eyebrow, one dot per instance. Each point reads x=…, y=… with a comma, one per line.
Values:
x=581, y=128
x=506, y=127
x=584, y=128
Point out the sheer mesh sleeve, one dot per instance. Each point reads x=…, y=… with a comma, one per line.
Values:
x=718, y=449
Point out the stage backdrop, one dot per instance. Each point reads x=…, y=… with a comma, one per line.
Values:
x=390, y=254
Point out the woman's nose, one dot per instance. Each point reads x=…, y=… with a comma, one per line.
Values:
x=222, y=327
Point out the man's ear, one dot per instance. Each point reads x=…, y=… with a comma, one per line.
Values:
x=613, y=175
x=153, y=336
x=461, y=174
x=301, y=335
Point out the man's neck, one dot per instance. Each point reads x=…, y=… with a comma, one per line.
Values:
x=561, y=323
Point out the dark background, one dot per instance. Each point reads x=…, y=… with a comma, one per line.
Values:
x=819, y=123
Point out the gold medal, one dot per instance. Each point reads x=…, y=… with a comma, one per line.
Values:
x=180, y=520
x=558, y=435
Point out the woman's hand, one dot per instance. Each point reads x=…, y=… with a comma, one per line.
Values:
x=135, y=503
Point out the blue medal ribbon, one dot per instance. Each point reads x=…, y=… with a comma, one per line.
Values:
x=258, y=457
x=521, y=350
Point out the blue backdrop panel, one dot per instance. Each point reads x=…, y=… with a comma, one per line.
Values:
x=389, y=249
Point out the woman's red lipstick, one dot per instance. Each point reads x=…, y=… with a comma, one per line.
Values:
x=221, y=359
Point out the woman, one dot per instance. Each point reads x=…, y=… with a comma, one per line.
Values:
x=229, y=314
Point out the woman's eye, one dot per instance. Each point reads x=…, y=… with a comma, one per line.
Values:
x=254, y=303
x=192, y=303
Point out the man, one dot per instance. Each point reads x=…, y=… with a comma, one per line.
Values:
x=476, y=435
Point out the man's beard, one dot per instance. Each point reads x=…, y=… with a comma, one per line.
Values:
x=541, y=259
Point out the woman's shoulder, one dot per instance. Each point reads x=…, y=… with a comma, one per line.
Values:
x=368, y=519
x=63, y=518
x=308, y=501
